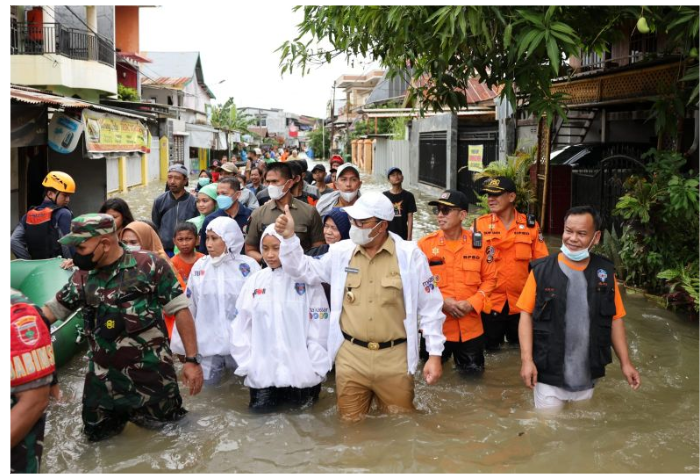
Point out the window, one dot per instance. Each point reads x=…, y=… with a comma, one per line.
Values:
x=642, y=46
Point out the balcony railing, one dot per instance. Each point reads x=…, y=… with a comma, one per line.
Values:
x=54, y=38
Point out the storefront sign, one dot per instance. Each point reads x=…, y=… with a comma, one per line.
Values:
x=105, y=133
x=475, y=161
x=64, y=133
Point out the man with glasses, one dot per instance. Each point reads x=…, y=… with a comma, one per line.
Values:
x=382, y=294
x=466, y=275
x=513, y=240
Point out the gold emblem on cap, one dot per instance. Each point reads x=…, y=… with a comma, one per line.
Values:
x=495, y=182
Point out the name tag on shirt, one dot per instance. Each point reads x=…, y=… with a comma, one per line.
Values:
x=351, y=270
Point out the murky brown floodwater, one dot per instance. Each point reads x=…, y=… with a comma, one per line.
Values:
x=486, y=425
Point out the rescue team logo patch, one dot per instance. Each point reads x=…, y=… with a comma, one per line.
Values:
x=27, y=330
x=602, y=275
x=540, y=237
x=258, y=292
x=245, y=269
x=490, y=252
x=429, y=284
x=300, y=288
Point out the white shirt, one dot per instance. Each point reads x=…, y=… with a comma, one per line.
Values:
x=279, y=335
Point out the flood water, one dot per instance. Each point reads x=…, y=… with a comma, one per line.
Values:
x=463, y=425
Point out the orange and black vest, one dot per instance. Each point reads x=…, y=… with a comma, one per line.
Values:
x=41, y=232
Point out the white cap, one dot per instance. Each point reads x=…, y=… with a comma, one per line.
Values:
x=371, y=204
x=346, y=166
x=258, y=151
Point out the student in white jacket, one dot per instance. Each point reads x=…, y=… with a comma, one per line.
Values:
x=279, y=335
x=212, y=290
x=382, y=294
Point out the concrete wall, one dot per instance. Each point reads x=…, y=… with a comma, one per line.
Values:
x=154, y=160
x=390, y=153
x=442, y=122
x=127, y=30
x=54, y=71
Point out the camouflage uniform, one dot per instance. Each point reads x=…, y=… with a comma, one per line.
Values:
x=26, y=455
x=130, y=373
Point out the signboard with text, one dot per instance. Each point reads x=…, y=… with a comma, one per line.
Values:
x=475, y=161
x=106, y=133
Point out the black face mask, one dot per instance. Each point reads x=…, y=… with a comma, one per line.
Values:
x=86, y=262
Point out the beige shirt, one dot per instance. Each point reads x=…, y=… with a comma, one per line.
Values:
x=373, y=306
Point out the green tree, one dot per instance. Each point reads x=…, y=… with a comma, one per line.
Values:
x=440, y=48
x=127, y=93
x=320, y=143
x=227, y=118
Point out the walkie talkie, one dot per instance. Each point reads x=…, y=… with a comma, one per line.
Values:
x=531, y=220
x=476, y=237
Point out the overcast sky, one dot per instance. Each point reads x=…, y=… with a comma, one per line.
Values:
x=237, y=43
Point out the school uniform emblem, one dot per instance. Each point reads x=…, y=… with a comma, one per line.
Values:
x=602, y=275
x=258, y=292
x=429, y=284
x=245, y=269
x=300, y=288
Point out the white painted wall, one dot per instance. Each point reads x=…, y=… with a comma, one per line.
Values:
x=56, y=70
x=154, y=160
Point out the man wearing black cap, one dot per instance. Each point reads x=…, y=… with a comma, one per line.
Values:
x=465, y=276
x=173, y=206
x=404, y=205
x=512, y=241
x=318, y=173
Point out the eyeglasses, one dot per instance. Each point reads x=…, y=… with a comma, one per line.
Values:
x=444, y=210
x=361, y=223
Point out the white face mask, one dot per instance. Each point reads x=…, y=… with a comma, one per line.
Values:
x=361, y=236
x=276, y=192
x=216, y=261
x=133, y=248
x=348, y=196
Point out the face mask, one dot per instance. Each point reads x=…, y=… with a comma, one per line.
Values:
x=204, y=181
x=577, y=256
x=361, y=236
x=276, y=192
x=224, y=202
x=216, y=261
x=348, y=196
x=85, y=262
x=133, y=248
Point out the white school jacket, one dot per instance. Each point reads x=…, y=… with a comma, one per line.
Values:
x=421, y=296
x=278, y=337
x=212, y=291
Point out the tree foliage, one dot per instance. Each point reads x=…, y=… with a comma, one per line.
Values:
x=227, y=118
x=522, y=48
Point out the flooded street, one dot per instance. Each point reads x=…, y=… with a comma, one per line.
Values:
x=473, y=425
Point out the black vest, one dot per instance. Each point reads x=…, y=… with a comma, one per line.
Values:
x=41, y=232
x=549, y=320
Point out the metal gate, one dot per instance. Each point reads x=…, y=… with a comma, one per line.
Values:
x=465, y=178
x=602, y=187
x=432, y=158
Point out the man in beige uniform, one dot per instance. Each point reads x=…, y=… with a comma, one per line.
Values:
x=382, y=293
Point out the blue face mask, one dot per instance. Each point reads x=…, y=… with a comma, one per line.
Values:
x=204, y=181
x=577, y=256
x=224, y=202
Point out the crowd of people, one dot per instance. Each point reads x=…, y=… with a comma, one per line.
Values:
x=281, y=275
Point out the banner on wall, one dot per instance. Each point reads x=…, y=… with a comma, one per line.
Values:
x=106, y=133
x=475, y=160
x=64, y=133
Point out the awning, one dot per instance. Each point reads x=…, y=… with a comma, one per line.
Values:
x=33, y=97
x=201, y=136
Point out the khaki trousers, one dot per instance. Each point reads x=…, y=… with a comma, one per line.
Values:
x=362, y=375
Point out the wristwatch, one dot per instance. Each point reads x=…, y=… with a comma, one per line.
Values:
x=197, y=359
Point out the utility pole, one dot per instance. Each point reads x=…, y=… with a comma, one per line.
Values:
x=332, y=119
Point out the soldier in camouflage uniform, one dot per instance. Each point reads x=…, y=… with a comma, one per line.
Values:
x=31, y=377
x=123, y=294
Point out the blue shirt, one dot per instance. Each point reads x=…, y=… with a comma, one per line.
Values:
x=241, y=219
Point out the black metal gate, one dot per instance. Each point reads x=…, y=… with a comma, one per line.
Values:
x=432, y=158
x=602, y=187
x=488, y=138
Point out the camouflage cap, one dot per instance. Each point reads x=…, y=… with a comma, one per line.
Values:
x=87, y=226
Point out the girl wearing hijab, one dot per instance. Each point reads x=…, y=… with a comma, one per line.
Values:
x=336, y=227
x=279, y=335
x=212, y=290
x=141, y=236
x=206, y=204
